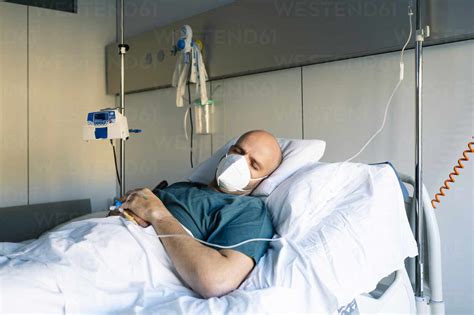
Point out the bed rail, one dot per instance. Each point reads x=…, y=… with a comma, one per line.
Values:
x=433, y=304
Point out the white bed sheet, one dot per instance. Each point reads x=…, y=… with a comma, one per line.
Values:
x=111, y=266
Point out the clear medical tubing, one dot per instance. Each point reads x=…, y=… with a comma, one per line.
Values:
x=118, y=205
x=395, y=89
x=222, y=246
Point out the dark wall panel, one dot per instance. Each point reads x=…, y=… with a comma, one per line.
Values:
x=61, y=5
x=251, y=36
x=30, y=221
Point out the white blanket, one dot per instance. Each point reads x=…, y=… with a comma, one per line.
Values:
x=347, y=226
x=111, y=266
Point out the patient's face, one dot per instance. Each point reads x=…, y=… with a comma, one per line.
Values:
x=262, y=153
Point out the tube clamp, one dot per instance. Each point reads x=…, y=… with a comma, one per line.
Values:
x=123, y=48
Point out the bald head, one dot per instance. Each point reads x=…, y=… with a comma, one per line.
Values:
x=262, y=153
x=264, y=148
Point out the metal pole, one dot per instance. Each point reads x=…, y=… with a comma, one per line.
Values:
x=419, y=287
x=122, y=51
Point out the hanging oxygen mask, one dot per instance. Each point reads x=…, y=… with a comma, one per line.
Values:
x=189, y=69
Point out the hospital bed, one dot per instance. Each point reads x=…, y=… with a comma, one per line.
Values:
x=393, y=293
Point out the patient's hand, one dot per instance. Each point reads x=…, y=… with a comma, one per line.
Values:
x=145, y=205
x=129, y=215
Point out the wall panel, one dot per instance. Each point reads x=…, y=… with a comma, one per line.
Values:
x=249, y=36
x=67, y=80
x=161, y=152
x=270, y=101
x=344, y=104
x=13, y=105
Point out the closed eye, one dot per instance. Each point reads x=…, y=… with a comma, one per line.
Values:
x=237, y=150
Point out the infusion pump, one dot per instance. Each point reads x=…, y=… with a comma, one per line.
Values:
x=105, y=124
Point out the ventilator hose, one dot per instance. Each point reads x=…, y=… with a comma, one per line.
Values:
x=455, y=172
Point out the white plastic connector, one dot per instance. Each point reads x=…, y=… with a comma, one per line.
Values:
x=113, y=208
x=402, y=70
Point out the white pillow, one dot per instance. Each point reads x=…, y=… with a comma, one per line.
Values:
x=305, y=198
x=296, y=154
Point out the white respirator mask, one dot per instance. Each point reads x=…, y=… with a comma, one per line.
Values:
x=233, y=174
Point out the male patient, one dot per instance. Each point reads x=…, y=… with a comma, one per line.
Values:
x=220, y=213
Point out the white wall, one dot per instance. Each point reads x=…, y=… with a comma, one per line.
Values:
x=267, y=101
x=13, y=105
x=270, y=101
x=56, y=74
x=343, y=103
x=161, y=152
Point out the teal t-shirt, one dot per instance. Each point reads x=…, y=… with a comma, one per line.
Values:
x=220, y=218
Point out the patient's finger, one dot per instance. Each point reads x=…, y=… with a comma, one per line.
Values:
x=135, y=201
x=113, y=213
x=130, y=198
x=128, y=193
x=130, y=202
x=133, y=190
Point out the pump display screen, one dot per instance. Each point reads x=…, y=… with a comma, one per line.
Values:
x=100, y=116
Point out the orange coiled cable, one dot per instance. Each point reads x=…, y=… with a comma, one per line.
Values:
x=455, y=172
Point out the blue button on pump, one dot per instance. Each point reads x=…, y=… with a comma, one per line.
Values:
x=101, y=133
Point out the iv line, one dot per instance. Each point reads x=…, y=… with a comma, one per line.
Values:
x=118, y=205
x=222, y=246
x=402, y=70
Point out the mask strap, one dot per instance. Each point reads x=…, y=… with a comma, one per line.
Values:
x=258, y=178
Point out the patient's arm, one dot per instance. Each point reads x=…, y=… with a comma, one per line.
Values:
x=207, y=271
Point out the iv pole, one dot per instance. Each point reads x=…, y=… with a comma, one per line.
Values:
x=123, y=48
x=418, y=198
